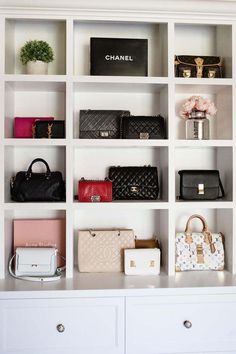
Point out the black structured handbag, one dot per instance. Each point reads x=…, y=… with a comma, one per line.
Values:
x=200, y=185
x=143, y=127
x=134, y=182
x=100, y=124
x=198, y=66
x=28, y=186
x=52, y=129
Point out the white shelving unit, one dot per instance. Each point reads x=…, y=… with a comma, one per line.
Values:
x=69, y=88
x=126, y=315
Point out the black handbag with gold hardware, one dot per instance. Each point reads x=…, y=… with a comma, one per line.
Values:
x=51, y=129
x=134, y=182
x=198, y=66
x=200, y=185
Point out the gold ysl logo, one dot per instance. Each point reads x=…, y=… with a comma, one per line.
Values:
x=50, y=130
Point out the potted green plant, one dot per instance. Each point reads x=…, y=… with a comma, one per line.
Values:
x=36, y=55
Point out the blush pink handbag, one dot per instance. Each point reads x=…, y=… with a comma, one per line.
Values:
x=24, y=126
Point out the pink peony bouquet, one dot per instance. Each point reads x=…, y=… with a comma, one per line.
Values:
x=197, y=103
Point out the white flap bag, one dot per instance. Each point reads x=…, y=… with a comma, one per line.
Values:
x=36, y=264
x=143, y=261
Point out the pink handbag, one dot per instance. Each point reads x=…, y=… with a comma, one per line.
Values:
x=24, y=126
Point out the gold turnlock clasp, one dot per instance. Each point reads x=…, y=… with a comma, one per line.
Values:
x=132, y=264
x=201, y=188
x=199, y=61
x=211, y=74
x=186, y=73
x=143, y=135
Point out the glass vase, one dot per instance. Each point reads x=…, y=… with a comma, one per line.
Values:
x=197, y=126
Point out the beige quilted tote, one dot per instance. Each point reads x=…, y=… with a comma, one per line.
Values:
x=103, y=250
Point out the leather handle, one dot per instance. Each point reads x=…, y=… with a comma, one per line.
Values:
x=38, y=160
x=204, y=223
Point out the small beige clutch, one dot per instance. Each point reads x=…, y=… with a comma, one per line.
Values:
x=103, y=250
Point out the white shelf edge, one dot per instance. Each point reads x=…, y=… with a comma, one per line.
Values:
x=123, y=204
x=119, y=143
x=36, y=206
x=34, y=142
x=203, y=81
x=34, y=78
x=216, y=204
x=120, y=79
x=203, y=143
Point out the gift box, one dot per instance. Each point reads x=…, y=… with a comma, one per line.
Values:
x=118, y=56
x=40, y=233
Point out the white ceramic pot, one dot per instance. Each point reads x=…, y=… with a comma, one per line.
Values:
x=37, y=67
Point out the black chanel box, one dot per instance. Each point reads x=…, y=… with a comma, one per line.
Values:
x=118, y=56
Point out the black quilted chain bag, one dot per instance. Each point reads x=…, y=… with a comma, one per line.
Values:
x=100, y=124
x=134, y=182
x=143, y=127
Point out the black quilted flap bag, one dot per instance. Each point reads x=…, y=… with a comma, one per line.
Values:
x=100, y=124
x=134, y=182
x=143, y=127
x=198, y=66
x=200, y=185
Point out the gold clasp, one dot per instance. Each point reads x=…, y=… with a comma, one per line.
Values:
x=50, y=130
x=199, y=61
x=201, y=188
x=186, y=73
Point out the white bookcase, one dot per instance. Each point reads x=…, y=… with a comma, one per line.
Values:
x=69, y=88
x=110, y=313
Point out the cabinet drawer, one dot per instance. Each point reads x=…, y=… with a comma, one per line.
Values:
x=88, y=326
x=203, y=324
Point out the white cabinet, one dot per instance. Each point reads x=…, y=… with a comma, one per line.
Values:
x=86, y=326
x=181, y=324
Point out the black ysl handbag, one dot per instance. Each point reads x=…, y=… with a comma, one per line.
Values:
x=52, y=129
x=200, y=185
x=134, y=182
x=143, y=127
x=198, y=66
x=28, y=186
x=100, y=124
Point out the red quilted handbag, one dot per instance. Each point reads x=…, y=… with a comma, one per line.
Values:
x=94, y=191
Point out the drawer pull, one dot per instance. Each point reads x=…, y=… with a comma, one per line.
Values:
x=61, y=328
x=187, y=324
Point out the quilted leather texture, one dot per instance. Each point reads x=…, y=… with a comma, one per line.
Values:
x=100, y=124
x=88, y=190
x=103, y=250
x=134, y=127
x=134, y=182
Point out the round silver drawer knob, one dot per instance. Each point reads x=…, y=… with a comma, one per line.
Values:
x=187, y=324
x=60, y=328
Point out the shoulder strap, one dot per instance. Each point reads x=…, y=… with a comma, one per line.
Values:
x=57, y=276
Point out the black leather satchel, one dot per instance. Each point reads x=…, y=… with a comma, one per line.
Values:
x=52, y=129
x=28, y=186
x=200, y=185
x=198, y=66
x=100, y=124
x=134, y=182
x=143, y=127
